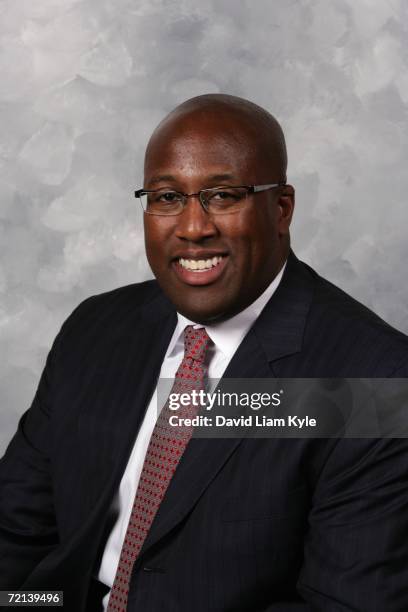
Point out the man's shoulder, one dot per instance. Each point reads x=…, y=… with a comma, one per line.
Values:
x=354, y=331
x=135, y=295
x=332, y=302
x=112, y=310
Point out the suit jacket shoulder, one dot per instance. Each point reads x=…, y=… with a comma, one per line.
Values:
x=101, y=320
x=111, y=306
x=340, y=336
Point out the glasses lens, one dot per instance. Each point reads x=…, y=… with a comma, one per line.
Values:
x=224, y=200
x=163, y=202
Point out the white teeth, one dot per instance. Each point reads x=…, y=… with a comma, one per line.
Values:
x=199, y=264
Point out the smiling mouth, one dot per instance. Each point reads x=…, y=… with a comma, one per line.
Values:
x=199, y=265
x=200, y=271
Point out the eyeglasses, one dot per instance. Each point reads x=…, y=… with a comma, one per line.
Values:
x=216, y=201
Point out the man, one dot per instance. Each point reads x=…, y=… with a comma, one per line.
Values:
x=242, y=524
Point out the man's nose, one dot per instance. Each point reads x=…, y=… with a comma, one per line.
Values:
x=194, y=223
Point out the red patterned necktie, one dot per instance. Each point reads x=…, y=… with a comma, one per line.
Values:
x=166, y=447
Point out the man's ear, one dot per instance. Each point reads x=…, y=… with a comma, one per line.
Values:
x=286, y=205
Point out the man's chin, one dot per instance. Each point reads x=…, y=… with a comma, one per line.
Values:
x=207, y=316
x=202, y=304
x=204, y=316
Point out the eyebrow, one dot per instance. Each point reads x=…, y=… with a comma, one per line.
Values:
x=162, y=178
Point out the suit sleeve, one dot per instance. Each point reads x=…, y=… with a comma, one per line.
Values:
x=28, y=525
x=356, y=550
x=28, y=530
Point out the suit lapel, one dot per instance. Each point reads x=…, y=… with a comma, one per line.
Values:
x=277, y=333
x=281, y=325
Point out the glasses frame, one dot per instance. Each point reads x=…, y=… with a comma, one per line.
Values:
x=251, y=189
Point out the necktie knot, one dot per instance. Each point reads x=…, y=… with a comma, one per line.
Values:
x=196, y=342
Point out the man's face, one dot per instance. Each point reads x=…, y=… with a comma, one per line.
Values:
x=249, y=245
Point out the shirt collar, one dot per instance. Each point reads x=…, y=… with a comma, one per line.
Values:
x=227, y=335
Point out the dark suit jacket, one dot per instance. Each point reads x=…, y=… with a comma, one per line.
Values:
x=246, y=525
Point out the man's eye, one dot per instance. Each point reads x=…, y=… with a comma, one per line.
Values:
x=226, y=197
x=168, y=196
x=164, y=197
x=223, y=195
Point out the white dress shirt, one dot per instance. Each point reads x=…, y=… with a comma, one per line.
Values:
x=226, y=337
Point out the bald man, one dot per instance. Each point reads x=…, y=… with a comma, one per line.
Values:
x=102, y=499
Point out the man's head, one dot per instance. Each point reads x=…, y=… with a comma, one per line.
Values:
x=218, y=141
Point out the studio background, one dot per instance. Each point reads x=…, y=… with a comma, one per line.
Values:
x=84, y=82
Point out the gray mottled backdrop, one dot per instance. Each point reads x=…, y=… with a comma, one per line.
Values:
x=82, y=84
